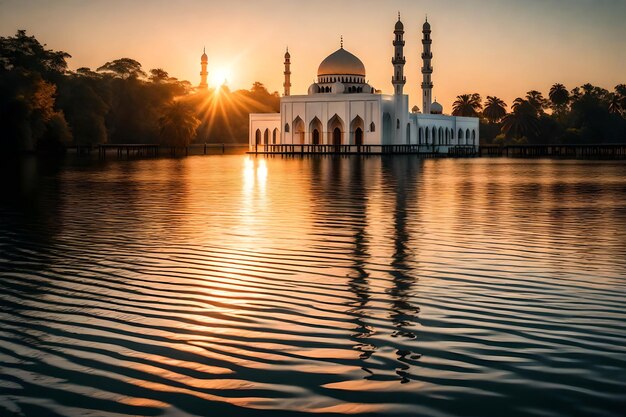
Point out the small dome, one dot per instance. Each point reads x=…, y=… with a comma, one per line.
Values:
x=287, y=55
x=338, y=88
x=399, y=25
x=436, y=108
x=415, y=109
x=341, y=62
x=426, y=25
x=204, y=57
x=314, y=89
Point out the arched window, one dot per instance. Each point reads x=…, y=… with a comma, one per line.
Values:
x=397, y=123
x=372, y=127
x=473, y=137
x=434, y=135
x=460, y=136
x=408, y=133
x=420, y=134
x=427, y=134
x=266, y=137
x=467, y=136
x=258, y=137
x=287, y=127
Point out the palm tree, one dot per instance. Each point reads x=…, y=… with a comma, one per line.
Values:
x=615, y=104
x=495, y=109
x=467, y=105
x=522, y=121
x=559, y=97
x=620, y=91
x=536, y=99
x=178, y=124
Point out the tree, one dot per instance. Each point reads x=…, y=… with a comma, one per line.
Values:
x=178, y=124
x=124, y=68
x=467, y=105
x=537, y=100
x=495, y=109
x=522, y=121
x=23, y=52
x=559, y=97
x=615, y=104
x=158, y=75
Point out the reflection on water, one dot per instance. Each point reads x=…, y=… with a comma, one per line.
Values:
x=235, y=285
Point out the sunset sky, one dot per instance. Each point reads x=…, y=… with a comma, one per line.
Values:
x=503, y=47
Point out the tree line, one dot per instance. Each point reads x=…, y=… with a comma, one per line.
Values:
x=44, y=106
x=584, y=115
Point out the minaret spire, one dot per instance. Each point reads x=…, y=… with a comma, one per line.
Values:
x=427, y=69
x=398, y=80
x=287, y=73
x=204, y=74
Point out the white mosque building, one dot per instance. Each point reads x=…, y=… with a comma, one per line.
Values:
x=342, y=109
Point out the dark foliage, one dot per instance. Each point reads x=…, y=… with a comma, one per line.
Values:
x=44, y=106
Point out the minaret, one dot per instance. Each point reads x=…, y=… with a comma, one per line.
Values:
x=204, y=60
x=398, y=80
x=398, y=59
x=427, y=69
x=287, y=83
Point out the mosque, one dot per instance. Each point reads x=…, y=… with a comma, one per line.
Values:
x=341, y=108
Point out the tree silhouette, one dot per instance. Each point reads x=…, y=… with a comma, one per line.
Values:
x=468, y=105
x=178, y=124
x=495, y=109
x=522, y=122
x=125, y=68
x=559, y=97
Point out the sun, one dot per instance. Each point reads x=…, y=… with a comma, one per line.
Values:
x=218, y=77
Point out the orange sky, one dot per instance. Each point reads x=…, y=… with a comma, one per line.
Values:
x=494, y=47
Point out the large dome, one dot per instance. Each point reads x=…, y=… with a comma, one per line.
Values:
x=341, y=62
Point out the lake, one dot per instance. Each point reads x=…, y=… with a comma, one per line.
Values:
x=248, y=286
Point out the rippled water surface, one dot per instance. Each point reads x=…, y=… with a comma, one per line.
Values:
x=243, y=286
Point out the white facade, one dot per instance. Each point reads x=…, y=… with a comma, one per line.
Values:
x=342, y=109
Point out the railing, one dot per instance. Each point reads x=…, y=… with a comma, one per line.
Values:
x=428, y=150
x=600, y=151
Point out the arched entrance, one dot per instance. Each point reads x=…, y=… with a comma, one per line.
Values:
x=266, y=137
x=335, y=130
x=358, y=136
x=258, y=136
x=315, y=127
x=298, y=131
x=274, y=136
x=316, y=137
x=336, y=136
x=357, y=124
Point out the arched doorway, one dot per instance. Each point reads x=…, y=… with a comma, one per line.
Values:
x=357, y=124
x=420, y=136
x=315, y=127
x=358, y=136
x=298, y=131
x=336, y=136
x=335, y=130
x=274, y=136
x=266, y=137
x=258, y=136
